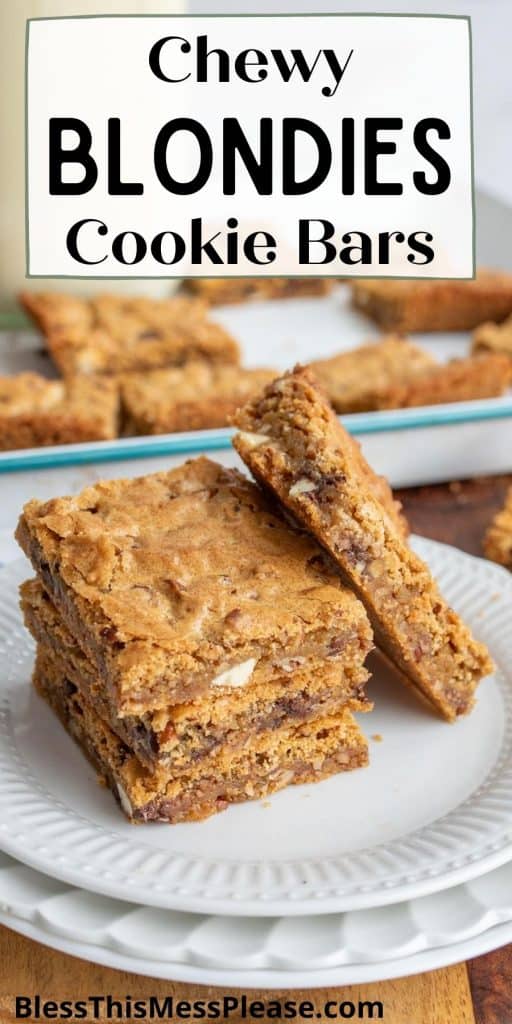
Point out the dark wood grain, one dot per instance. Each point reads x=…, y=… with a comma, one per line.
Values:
x=490, y=980
x=455, y=513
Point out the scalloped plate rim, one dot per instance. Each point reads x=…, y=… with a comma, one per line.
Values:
x=351, y=974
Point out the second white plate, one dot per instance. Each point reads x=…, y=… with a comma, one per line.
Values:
x=433, y=809
x=305, y=952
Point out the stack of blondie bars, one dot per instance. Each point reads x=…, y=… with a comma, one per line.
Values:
x=200, y=650
x=204, y=638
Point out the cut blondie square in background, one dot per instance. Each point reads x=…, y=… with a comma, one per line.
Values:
x=184, y=733
x=218, y=291
x=485, y=375
x=268, y=762
x=362, y=379
x=198, y=396
x=396, y=374
x=293, y=443
x=178, y=583
x=109, y=334
x=435, y=305
x=498, y=539
x=491, y=337
x=35, y=411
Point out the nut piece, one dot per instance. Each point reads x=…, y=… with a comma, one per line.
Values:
x=253, y=440
x=302, y=487
x=239, y=675
x=124, y=801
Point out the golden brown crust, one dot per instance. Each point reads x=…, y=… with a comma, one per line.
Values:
x=109, y=334
x=293, y=443
x=491, y=337
x=461, y=380
x=198, y=396
x=293, y=754
x=363, y=378
x=497, y=542
x=378, y=484
x=217, y=291
x=407, y=306
x=167, y=581
x=182, y=733
x=35, y=411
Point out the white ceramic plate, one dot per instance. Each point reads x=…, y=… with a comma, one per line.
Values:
x=362, y=945
x=434, y=808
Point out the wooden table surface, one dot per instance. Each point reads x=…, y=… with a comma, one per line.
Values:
x=478, y=992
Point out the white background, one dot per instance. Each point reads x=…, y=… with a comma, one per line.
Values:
x=412, y=68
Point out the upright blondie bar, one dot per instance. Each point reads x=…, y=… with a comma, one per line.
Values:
x=293, y=443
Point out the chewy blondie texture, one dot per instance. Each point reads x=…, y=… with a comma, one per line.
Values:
x=494, y=338
x=187, y=580
x=35, y=411
x=486, y=375
x=364, y=378
x=435, y=305
x=292, y=442
x=269, y=762
x=198, y=396
x=109, y=334
x=218, y=291
x=184, y=733
x=498, y=539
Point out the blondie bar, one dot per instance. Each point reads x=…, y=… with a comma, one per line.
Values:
x=184, y=581
x=218, y=291
x=293, y=443
x=35, y=411
x=498, y=539
x=110, y=334
x=270, y=761
x=363, y=378
x=435, y=305
x=494, y=338
x=198, y=396
x=485, y=375
x=180, y=735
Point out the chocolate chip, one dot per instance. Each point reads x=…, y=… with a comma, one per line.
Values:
x=149, y=335
x=336, y=645
x=317, y=561
x=109, y=633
